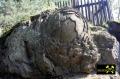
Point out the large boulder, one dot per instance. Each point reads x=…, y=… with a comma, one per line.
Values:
x=114, y=29
x=67, y=42
x=55, y=44
x=108, y=47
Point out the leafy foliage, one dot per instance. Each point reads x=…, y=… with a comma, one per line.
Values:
x=14, y=11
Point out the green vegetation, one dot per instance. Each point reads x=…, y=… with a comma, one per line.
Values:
x=14, y=11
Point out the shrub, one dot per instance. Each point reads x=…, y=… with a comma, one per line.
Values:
x=14, y=11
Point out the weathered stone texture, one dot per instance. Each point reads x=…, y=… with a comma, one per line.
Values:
x=108, y=47
x=56, y=44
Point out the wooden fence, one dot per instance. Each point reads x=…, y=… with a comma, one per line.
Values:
x=95, y=11
x=61, y=4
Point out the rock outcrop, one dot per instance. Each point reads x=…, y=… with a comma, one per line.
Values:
x=55, y=45
x=108, y=47
x=67, y=42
